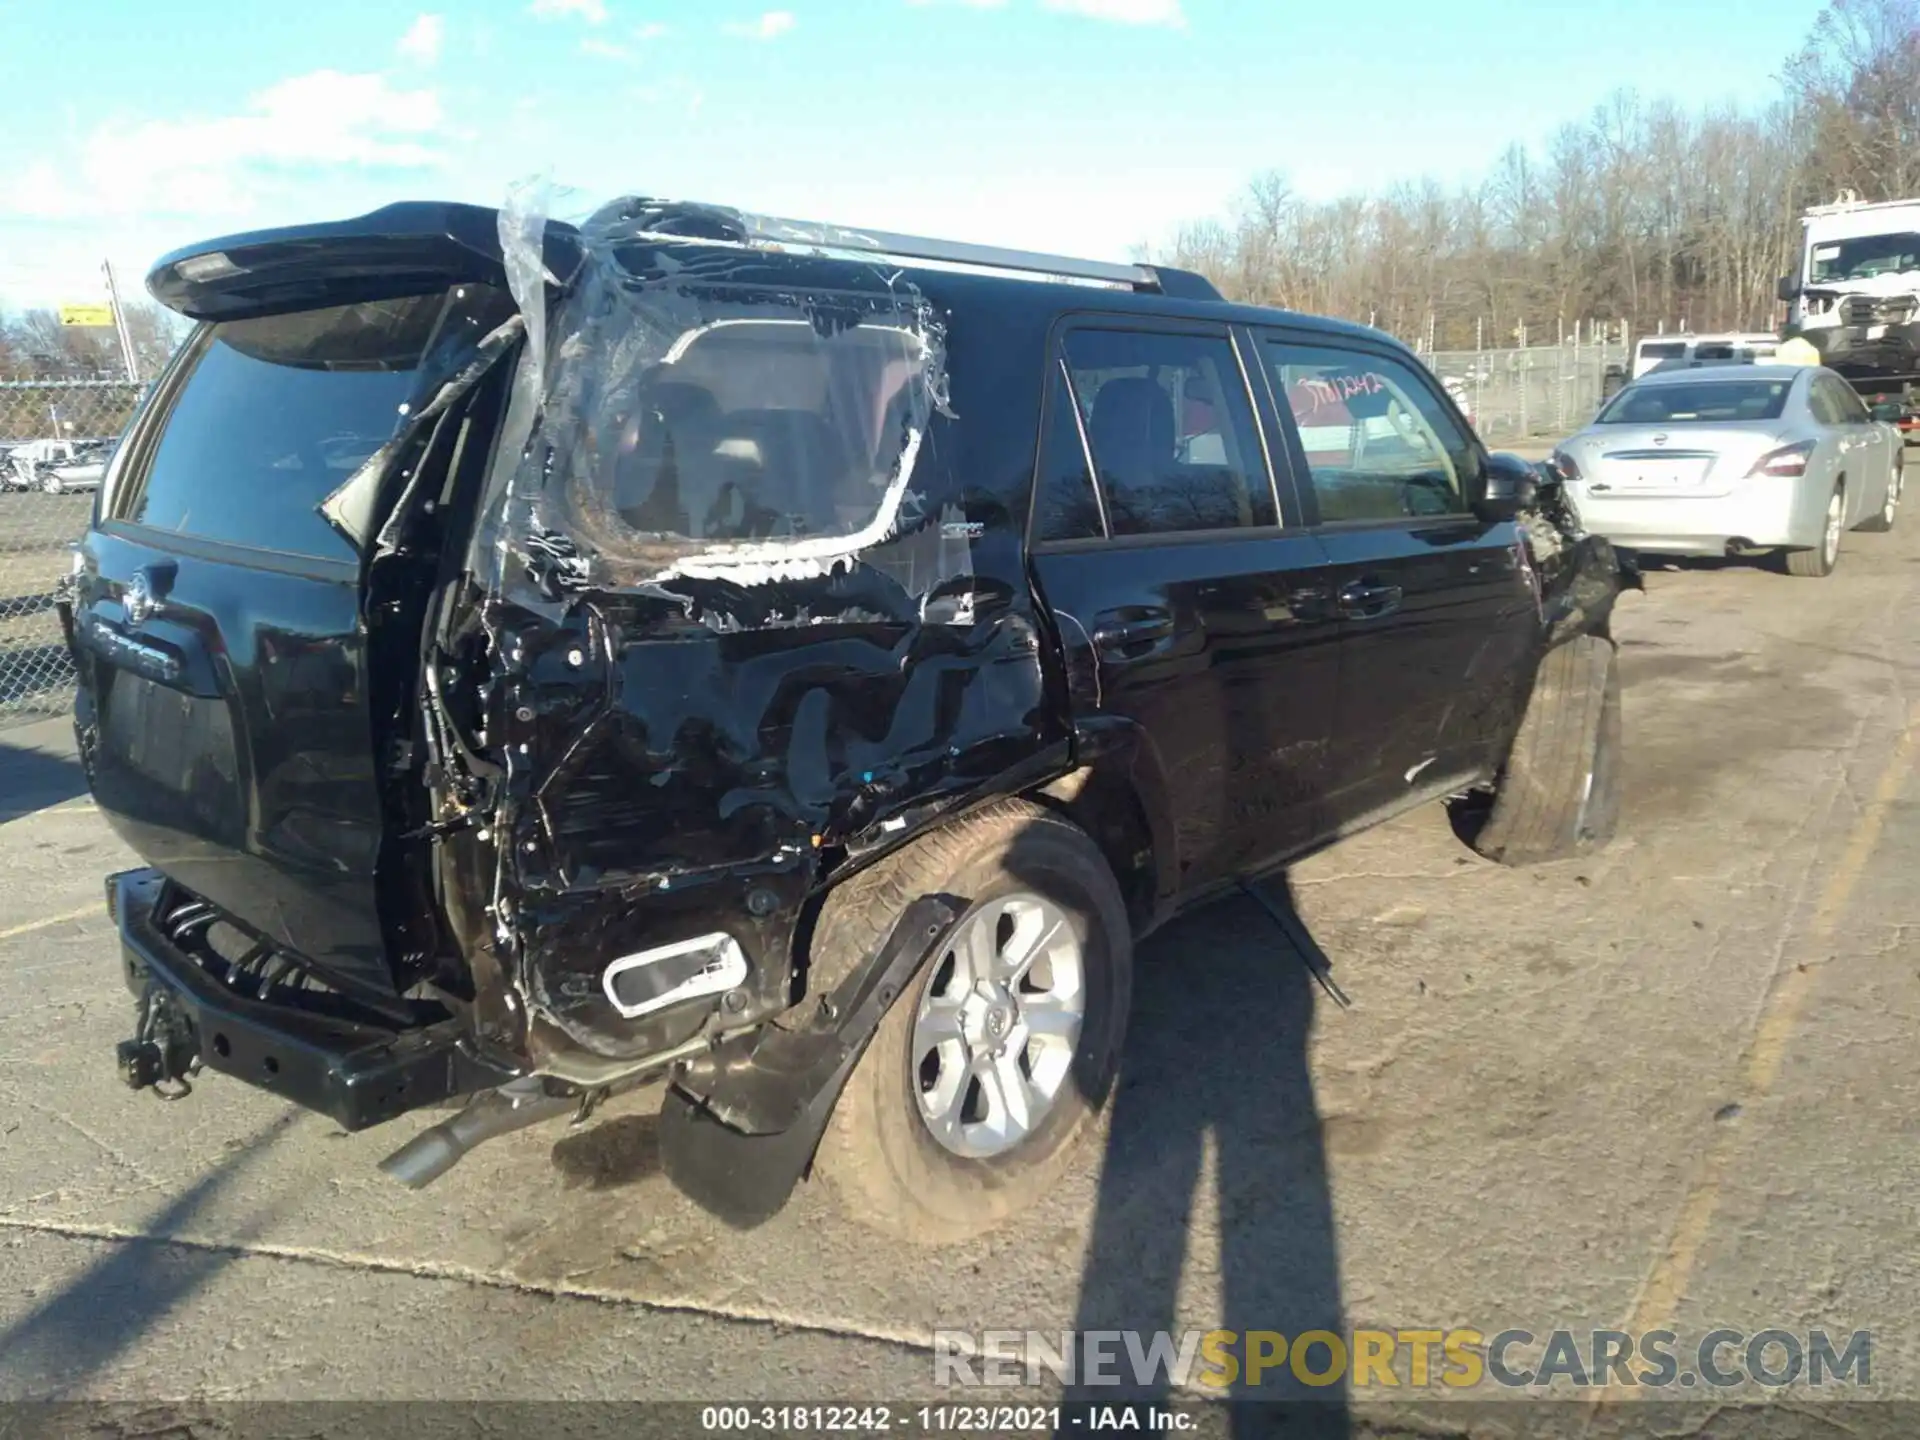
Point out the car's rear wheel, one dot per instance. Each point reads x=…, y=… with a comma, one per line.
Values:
x=1818, y=562
x=54, y=485
x=1558, y=795
x=968, y=1103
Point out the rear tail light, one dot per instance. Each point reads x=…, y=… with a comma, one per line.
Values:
x=1787, y=462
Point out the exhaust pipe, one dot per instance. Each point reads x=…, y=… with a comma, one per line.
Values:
x=513, y=1106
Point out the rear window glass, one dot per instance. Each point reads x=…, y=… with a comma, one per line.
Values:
x=276, y=414
x=1706, y=401
x=1670, y=350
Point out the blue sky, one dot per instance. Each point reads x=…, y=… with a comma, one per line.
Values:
x=1084, y=126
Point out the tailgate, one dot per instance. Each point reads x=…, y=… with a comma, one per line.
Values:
x=218, y=616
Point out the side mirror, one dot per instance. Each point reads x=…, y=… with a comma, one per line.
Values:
x=1889, y=411
x=1787, y=290
x=1513, y=484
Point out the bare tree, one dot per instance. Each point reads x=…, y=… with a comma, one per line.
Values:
x=1643, y=212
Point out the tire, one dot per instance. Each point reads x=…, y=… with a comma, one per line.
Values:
x=1881, y=522
x=1818, y=562
x=54, y=485
x=880, y=1153
x=1559, y=793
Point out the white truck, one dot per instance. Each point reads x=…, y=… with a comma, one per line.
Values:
x=1855, y=297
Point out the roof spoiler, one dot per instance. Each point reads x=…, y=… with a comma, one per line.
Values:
x=409, y=248
x=404, y=249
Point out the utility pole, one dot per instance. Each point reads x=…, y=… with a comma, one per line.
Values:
x=120, y=324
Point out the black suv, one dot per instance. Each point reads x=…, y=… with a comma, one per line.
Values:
x=793, y=663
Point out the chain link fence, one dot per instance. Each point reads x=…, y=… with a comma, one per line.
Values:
x=55, y=438
x=1541, y=392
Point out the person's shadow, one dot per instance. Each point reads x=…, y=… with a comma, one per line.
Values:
x=1216, y=1059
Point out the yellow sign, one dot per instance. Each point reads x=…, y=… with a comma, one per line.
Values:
x=86, y=315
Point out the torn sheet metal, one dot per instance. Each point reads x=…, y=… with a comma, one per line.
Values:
x=742, y=618
x=1581, y=574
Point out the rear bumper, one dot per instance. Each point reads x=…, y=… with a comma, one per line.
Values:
x=357, y=1072
x=1783, y=513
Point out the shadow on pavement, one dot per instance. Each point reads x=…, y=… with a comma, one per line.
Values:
x=1216, y=1060
x=36, y=778
x=82, y=1327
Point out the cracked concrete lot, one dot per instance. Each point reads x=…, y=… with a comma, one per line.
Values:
x=1675, y=1085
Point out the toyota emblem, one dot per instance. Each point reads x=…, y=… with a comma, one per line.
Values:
x=138, y=598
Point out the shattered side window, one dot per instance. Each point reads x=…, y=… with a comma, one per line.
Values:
x=761, y=429
x=693, y=415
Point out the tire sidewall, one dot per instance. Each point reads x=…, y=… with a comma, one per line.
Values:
x=1052, y=858
x=1600, y=814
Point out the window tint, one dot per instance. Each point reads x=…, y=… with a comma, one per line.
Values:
x=1663, y=350
x=1068, y=509
x=1172, y=432
x=1820, y=402
x=1846, y=403
x=277, y=414
x=1702, y=401
x=1379, y=445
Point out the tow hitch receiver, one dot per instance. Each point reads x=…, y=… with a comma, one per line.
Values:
x=164, y=1051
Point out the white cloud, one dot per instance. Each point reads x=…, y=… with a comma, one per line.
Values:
x=770, y=26
x=652, y=30
x=594, y=12
x=967, y=4
x=217, y=166
x=1124, y=12
x=604, y=49
x=423, y=39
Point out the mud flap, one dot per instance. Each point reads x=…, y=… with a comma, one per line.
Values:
x=744, y=1180
x=739, y=1127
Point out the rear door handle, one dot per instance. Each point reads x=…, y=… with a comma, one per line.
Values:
x=1363, y=600
x=1133, y=633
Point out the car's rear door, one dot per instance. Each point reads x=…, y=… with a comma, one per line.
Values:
x=1192, y=607
x=1437, y=608
x=218, y=620
x=1866, y=448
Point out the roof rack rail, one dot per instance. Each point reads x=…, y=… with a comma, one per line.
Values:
x=768, y=229
x=698, y=221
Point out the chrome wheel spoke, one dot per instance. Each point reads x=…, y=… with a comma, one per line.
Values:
x=1033, y=937
x=938, y=1024
x=1010, y=1107
x=977, y=949
x=1049, y=1021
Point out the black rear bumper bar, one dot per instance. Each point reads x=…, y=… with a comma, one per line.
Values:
x=358, y=1071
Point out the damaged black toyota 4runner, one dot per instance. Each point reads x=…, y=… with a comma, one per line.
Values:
x=789, y=662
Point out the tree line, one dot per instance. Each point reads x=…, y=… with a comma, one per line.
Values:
x=34, y=345
x=1645, y=212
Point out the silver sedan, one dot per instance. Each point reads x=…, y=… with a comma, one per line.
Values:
x=1735, y=460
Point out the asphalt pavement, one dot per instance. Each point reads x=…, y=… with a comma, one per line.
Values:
x=1673, y=1085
